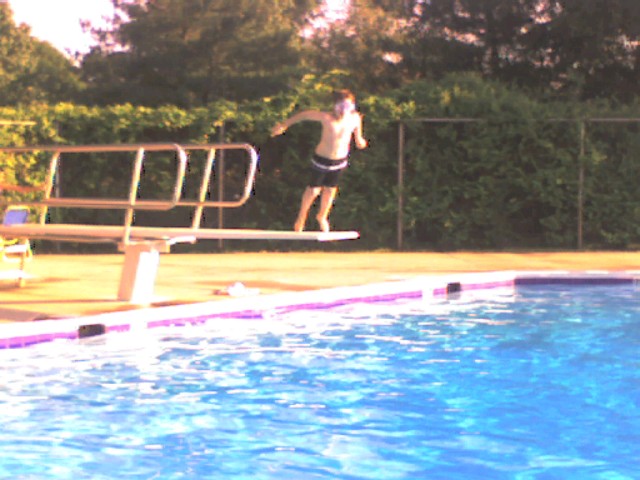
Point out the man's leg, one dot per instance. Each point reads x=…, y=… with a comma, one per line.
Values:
x=326, y=202
x=308, y=197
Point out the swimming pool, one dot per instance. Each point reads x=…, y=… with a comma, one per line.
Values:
x=537, y=382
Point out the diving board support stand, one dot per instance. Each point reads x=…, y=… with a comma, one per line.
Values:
x=138, y=278
x=140, y=269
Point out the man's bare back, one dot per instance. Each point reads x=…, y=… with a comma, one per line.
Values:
x=331, y=153
x=336, y=134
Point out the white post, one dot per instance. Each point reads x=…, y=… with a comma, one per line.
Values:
x=141, y=261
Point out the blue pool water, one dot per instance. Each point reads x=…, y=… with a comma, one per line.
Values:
x=540, y=384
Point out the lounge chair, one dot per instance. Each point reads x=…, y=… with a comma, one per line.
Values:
x=16, y=250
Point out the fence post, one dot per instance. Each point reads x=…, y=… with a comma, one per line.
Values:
x=220, y=177
x=400, y=224
x=583, y=133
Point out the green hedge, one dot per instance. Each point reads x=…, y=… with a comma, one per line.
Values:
x=509, y=179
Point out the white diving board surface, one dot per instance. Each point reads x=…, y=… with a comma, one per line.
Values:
x=115, y=233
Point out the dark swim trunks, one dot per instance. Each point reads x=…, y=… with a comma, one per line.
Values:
x=326, y=172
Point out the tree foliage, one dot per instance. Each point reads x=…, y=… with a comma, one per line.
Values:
x=590, y=48
x=188, y=52
x=582, y=49
x=364, y=43
x=30, y=70
x=192, y=52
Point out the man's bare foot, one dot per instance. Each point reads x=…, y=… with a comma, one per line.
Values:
x=324, y=224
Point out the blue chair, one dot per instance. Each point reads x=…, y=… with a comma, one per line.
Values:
x=16, y=250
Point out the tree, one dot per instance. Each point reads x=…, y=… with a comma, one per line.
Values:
x=31, y=70
x=365, y=43
x=589, y=48
x=581, y=48
x=192, y=52
x=468, y=35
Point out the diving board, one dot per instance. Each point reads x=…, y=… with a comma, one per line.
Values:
x=142, y=245
x=114, y=233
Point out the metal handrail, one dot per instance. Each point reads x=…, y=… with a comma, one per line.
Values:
x=107, y=203
x=249, y=180
x=202, y=203
x=132, y=203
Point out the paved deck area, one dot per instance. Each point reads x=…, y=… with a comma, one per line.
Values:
x=76, y=285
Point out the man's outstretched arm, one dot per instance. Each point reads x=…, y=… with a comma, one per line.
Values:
x=313, y=115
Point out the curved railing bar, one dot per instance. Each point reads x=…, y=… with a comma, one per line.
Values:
x=249, y=180
x=115, y=147
x=102, y=203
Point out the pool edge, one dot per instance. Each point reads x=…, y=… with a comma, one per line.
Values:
x=18, y=335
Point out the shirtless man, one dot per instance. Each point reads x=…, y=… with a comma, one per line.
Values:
x=331, y=154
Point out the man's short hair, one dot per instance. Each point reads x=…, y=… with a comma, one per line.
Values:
x=343, y=94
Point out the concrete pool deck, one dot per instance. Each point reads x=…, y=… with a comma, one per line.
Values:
x=79, y=285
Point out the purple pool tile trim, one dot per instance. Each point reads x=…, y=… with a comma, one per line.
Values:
x=434, y=288
x=119, y=328
x=259, y=313
x=28, y=340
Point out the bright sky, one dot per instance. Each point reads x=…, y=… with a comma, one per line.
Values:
x=58, y=21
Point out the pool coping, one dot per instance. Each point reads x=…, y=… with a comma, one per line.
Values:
x=428, y=287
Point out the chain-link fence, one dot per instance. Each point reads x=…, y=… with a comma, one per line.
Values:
x=487, y=184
